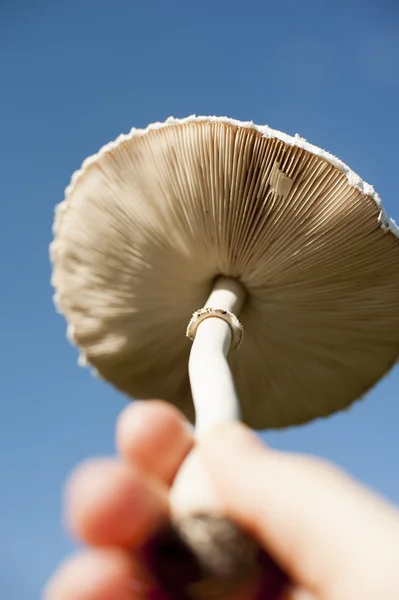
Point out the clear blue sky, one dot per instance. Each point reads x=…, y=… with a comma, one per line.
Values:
x=73, y=75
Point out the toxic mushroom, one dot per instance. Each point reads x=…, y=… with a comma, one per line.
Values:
x=272, y=230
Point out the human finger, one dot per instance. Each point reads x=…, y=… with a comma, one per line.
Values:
x=155, y=436
x=102, y=574
x=110, y=503
x=318, y=524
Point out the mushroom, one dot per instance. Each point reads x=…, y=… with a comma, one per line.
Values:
x=250, y=231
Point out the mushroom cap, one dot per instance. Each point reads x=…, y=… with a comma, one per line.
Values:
x=155, y=217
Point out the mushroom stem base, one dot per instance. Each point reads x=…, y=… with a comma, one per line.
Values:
x=207, y=557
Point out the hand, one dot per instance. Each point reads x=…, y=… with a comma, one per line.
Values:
x=336, y=540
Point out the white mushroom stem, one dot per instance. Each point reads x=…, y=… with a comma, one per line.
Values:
x=214, y=395
x=212, y=385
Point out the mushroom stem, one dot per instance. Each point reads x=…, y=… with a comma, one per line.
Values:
x=214, y=395
x=215, y=558
x=213, y=391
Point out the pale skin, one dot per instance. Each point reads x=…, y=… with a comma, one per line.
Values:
x=337, y=540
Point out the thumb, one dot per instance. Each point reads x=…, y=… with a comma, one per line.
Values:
x=314, y=520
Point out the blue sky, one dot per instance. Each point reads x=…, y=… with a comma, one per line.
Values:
x=73, y=76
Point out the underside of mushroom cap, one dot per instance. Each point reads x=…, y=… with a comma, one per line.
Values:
x=154, y=218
